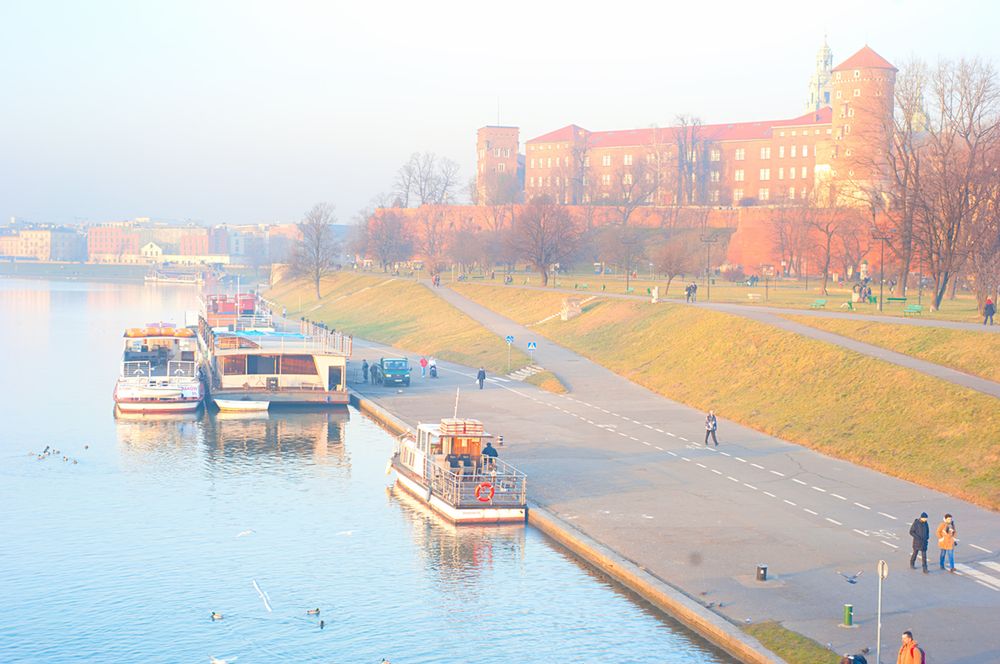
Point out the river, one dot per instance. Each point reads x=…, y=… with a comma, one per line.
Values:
x=122, y=552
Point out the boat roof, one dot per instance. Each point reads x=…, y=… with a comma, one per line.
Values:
x=274, y=341
x=434, y=428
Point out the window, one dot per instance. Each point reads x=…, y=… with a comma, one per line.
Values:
x=781, y=173
x=558, y=181
x=765, y=174
x=765, y=153
x=713, y=196
x=303, y=365
x=838, y=75
x=557, y=162
x=737, y=195
x=847, y=152
x=857, y=92
x=781, y=133
x=715, y=155
x=501, y=167
x=839, y=95
x=606, y=160
x=532, y=162
x=781, y=152
x=850, y=112
x=606, y=179
x=586, y=162
x=628, y=160
x=496, y=152
x=805, y=150
x=791, y=193
x=550, y=162
x=714, y=177
x=506, y=152
x=857, y=73
x=740, y=154
x=627, y=179
x=791, y=173
x=531, y=181
x=548, y=181
x=738, y=175
x=847, y=129
x=794, y=147
x=763, y=194
x=803, y=172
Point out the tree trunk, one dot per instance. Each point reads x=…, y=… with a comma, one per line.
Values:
x=544, y=273
x=940, y=290
x=667, y=289
x=318, y=296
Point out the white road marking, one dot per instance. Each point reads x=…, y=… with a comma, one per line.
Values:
x=685, y=458
x=838, y=496
x=715, y=471
x=768, y=493
x=740, y=459
x=661, y=431
x=834, y=521
x=979, y=576
x=992, y=565
x=864, y=507
x=633, y=438
x=750, y=486
x=646, y=444
x=634, y=421
x=790, y=503
x=648, y=427
x=806, y=509
x=888, y=516
x=701, y=465
x=673, y=454
x=860, y=532
x=757, y=466
x=725, y=453
x=774, y=472
x=889, y=544
x=684, y=439
x=658, y=447
x=731, y=478
x=816, y=488
x=669, y=434
x=980, y=548
x=799, y=482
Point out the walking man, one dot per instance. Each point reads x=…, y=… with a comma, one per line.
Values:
x=711, y=425
x=946, y=542
x=910, y=652
x=423, y=367
x=364, y=370
x=920, y=533
x=989, y=309
x=481, y=377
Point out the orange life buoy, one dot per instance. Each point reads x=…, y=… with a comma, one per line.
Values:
x=484, y=492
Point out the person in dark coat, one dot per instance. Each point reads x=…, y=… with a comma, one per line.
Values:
x=920, y=532
x=364, y=370
x=490, y=451
x=989, y=310
x=481, y=377
x=711, y=426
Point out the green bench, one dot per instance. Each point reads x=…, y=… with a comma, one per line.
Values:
x=581, y=286
x=629, y=290
x=480, y=277
x=818, y=304
x=901, y=300
x=912, y=309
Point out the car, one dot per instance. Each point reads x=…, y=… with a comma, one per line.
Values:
x=394, y=371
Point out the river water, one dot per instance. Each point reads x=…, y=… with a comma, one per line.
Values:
x=123, y=555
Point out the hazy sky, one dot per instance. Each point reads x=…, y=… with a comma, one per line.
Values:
x=253, y=111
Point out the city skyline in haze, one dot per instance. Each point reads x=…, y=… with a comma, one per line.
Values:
x=248, y=112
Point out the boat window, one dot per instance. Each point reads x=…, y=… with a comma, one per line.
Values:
x=298, y=364
x=234, y=364
x=261, y=364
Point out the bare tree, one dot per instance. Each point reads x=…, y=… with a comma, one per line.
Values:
x=633, y=185
x=689, y=142
x=545, y=235
x=790, y=236
x=315, y=255
x=431, y=234
x=675, y=258
x=387, y=237
x=446, y=182
x=406, y=180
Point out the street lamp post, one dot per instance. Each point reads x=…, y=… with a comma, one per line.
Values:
x=709, y=240
x=881, y=236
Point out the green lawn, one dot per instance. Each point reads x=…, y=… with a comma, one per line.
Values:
x=790, y=646
x=806, y=391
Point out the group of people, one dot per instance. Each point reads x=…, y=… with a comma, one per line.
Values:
x=373, y=369
x=428, y=365
x=863, y=290
x=946, y=532
x=691, y=292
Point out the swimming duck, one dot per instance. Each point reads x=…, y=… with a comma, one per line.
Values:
x=216, y=615
x=313, y=612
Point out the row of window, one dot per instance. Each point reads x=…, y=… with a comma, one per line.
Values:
x=763, y=194
x=739, y=175
x=805, y=132
x=765, y=152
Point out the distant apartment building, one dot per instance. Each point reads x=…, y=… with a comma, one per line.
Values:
x=499, y=166
x=837, y=146
x=108, y=242
x=195, y=242
x=43, y=244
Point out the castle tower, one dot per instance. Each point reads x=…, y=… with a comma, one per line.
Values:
x=820, y=94
x=855, y=156
x=497, y=173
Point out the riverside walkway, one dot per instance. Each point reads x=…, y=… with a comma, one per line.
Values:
x=628, y=468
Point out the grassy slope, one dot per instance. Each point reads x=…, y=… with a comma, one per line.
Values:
x=401, y=313
x=799, y=389
x=968, y=351
x=790, y=646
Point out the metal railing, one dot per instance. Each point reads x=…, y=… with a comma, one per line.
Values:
x=499, y=485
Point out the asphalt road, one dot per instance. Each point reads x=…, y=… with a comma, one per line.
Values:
x=629, y=468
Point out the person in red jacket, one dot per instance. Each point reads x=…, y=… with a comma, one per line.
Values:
x=910, y=652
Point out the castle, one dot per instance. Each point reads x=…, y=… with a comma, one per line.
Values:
x=833, y=153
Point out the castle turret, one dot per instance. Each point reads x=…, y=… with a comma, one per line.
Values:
x=820, y=94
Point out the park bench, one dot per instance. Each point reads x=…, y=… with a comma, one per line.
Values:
x=901, y=300
x=913, y=309
x=818, y=304
x=479, y=276
x=753, y=297
x=629, y=290
x=581, y=286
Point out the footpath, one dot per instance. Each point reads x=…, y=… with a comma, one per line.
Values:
x=628, y=468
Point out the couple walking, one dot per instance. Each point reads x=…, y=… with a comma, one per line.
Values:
x=920, y=532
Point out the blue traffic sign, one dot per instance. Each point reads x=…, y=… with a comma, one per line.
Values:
x=510, y=339
x=532, y=345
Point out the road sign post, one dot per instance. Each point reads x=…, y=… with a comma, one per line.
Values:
x=532, y=347
x=883, y=572
x=510, y=341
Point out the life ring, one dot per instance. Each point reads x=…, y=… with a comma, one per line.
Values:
x=484, y=492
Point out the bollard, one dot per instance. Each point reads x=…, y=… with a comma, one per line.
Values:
x=762, y=572
x=848, y=615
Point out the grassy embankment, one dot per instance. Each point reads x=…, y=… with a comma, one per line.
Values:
x=404, y=314
x=964, y=350
x=790, y=646
x=889, y=418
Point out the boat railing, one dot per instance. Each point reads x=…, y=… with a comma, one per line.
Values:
x=181, y=369
x=493, y=483
x=137, y=369
x=256, y=321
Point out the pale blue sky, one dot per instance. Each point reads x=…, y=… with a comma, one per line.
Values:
x=245, y=111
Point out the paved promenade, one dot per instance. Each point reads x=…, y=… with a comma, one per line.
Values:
x=628, y=468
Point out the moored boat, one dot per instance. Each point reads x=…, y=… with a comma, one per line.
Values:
x=241, y=405
x=444, y=467
x=159, y=371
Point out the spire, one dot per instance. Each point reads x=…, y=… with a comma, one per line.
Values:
x=819, y=83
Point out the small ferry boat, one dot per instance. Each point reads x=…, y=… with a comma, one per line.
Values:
x=159, y=371
x=444, y=467
x=181, y=278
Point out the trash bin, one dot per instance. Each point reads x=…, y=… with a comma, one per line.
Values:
x=848, y=615
x=762, y=572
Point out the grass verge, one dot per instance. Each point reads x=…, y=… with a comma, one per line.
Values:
x=890, y=418
x=964, y=350
x=790, y=646
x=547, y=381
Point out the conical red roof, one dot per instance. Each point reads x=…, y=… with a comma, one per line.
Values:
x=865, y=58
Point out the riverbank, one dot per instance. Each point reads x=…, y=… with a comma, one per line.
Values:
x=74, y=271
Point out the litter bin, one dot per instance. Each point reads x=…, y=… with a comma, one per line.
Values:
x=762, y=572
x=848, y=615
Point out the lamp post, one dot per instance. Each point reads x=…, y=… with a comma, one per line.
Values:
x=709, y=240
x=881, y=236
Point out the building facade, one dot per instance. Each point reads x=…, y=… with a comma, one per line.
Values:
x=497, y=164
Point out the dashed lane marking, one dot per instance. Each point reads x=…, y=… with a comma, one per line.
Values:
x=732, y=479
x=860, y=532
x=888, y=516
x=700, y=465
x=757, y=466
x=725, y=453
x=646, y=444
x=980, y=548
x=821, y=490
x=648, y=427
x=673, y=454
x=774, y=472
x=686, y=459
x=750, y=486
x=838, y=496
x=806, y=509
x=670, y=434
x=658, y=447
x=661, y=431
x=768, y=493
x=834, y=521
x=889, y=544
x=799, y=482
x=864, y=507
x=790, y=503
x=717, y=472
x=740, y=459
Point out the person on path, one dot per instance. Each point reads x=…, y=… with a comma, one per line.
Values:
x=920, y=532
x=432, y=366
x=481, y=377
x=946, y=542
x=687, y=293
x=989, y=309
x=694, y=292
x=910, y=652
x=423, y=367
x=364, y=370
x=711, y=425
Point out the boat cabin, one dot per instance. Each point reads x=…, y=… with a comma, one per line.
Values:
x=159, y=349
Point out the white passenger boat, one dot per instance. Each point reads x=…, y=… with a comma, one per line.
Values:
x=159, y=371
x=444, y=467
x=242, y=405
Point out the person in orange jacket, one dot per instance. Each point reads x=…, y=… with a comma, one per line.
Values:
x=910, y=652
x=946, y=542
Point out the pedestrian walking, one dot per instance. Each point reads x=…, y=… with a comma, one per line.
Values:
x=364, y=370
x=946, y=542
x=432, y=367
x=481, y=377
x=989, y=309
x=910, y=652
x=687, y=293
x=711, y=425
x=920, y=533
x=694, y=292
x=423, y=367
